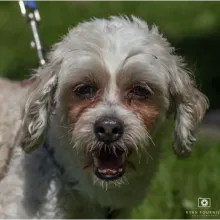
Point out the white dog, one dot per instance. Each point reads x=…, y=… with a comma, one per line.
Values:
x=93, y=121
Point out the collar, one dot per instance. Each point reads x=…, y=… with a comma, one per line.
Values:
x=50, y=152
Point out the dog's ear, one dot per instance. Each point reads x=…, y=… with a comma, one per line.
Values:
x=189, y=106
x=39, y=105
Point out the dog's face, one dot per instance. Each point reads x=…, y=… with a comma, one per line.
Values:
x=115, y=81
x=111, y=112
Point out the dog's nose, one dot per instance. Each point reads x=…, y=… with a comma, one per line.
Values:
x=108, y=129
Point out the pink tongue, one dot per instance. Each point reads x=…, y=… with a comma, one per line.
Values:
x=109, y=160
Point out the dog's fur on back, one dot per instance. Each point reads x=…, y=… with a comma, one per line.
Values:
x=116, y=68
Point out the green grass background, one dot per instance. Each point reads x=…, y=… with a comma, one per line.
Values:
x=194, y=29
x=179, y=183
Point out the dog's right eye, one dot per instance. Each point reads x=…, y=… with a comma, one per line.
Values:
x=86, y=91
x=140, y=92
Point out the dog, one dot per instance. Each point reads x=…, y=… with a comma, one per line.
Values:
x=11, y=93
x=91, y=122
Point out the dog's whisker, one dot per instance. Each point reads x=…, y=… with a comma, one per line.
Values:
x=95, y=180
x=106, y=185
x=149, y=155
x=72, y=141
x=93, y=147
x=61, y=137
x=114, y=151
x=125, y=180
x=61, y=126
x=118, y=183
x=121, y=181
x=103, y=184
x=150, y=138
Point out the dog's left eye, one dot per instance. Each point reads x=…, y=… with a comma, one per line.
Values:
x=86, y=91
x=140, y=91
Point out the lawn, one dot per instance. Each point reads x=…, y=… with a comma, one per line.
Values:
x=179, y=183
x=194, y=28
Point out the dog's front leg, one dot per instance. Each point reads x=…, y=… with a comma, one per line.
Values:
x=11, y=198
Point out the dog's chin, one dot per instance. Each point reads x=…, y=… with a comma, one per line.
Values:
x=109, y=164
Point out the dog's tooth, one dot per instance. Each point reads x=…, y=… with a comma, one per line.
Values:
x=112, y=171
x=120, y=170
x=100, y=170
x=104, y=171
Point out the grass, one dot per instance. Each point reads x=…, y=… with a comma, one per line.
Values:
x=193, y=27
x=179, y=183
x=177, y=20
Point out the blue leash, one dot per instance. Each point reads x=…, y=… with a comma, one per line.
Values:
x=30, y=4
x=31, y=14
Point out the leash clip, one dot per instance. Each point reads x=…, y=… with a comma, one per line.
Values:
x=31, y=14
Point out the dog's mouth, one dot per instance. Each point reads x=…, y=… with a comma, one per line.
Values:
x=108, y=164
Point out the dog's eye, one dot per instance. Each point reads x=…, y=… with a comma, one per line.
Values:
x=86, y=91
x=140, y=91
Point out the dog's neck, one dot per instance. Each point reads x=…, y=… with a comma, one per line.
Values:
x=109, y=213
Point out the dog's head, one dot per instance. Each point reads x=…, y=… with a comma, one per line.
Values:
x=115, y=81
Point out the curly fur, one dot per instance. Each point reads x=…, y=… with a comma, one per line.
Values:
x=10, y=112
x=49, y=182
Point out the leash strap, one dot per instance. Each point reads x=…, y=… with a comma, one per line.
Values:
x=30, y=4
x=30, y=12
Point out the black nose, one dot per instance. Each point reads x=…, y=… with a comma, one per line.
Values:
x=108, y=129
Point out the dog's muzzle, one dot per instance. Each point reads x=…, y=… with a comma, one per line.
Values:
x=108, y=160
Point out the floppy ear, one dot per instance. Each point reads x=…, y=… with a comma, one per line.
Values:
x=190, y=106
x=38, y=107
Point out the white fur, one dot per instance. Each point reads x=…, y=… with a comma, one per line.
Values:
x=46, y=185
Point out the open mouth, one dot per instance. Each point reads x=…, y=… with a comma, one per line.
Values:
x=109, y=164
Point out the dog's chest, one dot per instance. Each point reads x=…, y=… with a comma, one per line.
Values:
x=128, y=194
